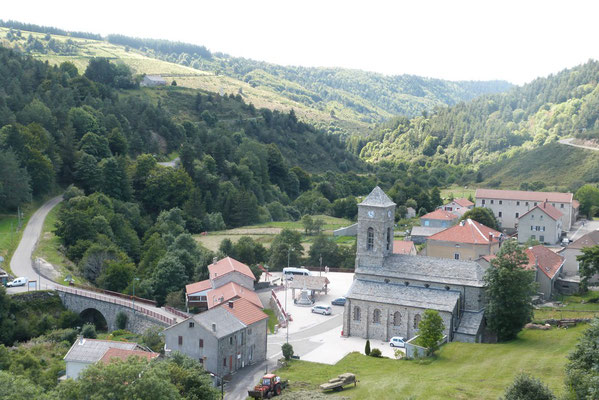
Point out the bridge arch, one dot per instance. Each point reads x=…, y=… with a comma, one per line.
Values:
x=93, y=316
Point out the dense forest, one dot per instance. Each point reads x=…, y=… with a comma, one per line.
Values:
x=536, y=114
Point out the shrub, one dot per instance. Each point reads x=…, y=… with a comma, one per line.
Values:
x=121, y=320
x=367, y=348
x=528, y=387
x=375, y=353
x=287, y=351
x=151, y=338
x=89, y=331
x=399, y=354
x=62, y=335
x=68, y=319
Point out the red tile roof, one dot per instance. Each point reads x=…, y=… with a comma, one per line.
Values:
x=227, y=265
x=245, y=311
x=403, y=247
x=588, y=240
x=547, y=209
x=440, y=215
x=231, y=291
x=575, y=203
x=467, y=231
x=463, y=202
x=122, y=354
x=549, y=262
x=522, y=195
x=198, y=286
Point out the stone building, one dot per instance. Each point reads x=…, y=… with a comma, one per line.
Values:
x=468, y=240
x=224, y=339
x=439, y=219
x=542, y=223
x=390, y=291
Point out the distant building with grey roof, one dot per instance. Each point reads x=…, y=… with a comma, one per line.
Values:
x=390, y=291
x=152, y=80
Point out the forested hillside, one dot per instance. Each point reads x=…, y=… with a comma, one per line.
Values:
x=345, y=100
x=494, y=126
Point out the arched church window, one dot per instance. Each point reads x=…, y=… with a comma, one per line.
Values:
x=396, y=318
x=370, y=239
x=416, y=321
x=388, y=238
x=356, y=313
x=376, y=318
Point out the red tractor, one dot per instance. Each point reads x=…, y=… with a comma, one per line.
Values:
x=271, y=385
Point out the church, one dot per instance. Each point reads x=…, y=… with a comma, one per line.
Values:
x=390, y=292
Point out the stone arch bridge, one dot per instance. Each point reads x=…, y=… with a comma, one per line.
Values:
x=140, y=316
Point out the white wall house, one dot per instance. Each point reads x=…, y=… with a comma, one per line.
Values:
x=542, y=223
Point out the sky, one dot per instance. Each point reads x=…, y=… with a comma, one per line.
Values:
x=509, y=40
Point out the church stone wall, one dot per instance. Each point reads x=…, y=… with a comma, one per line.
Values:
x=475, y=298
x=386, y=329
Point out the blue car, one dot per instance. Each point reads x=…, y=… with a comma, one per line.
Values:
x=340, y=301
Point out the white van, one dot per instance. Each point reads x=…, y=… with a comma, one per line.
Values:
x=290, y=272
x=22, y=281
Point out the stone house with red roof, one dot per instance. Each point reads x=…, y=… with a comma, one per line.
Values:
x=509, y=205
x=439, y=219
x=469, y=240
x=224, y=339
x=458, y=206
x=546, y=264
x=228, y=279
x=569, y=282
x=543, y=223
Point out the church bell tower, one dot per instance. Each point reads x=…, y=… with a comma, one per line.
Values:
x=376, y=219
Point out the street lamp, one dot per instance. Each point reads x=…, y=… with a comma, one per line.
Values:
x=222, y=384
x=133, y=298
x=320, y=270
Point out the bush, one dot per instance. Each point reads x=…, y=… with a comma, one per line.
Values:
x=121, y=320
x=89, y=331
x=287, y=351
x=151, y=338
x=527, y=387
x=62, y=335
x=376, y=353
x=367, y=348
x=68, y=319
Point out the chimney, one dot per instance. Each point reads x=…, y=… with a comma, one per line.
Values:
x=230, y=304
x=213, y=327
x=214, y=260
x=490, y=237
x=81, y=340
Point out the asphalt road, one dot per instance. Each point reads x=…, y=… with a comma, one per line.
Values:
x=581, y=228
x=21, y=263
x=569, y=141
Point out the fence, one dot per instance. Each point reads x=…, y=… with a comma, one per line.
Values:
x=116, y=294
x=177, y=312
x=97, y=296
x=286, y=317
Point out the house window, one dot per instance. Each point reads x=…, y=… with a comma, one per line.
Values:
x=533, y=237
x=231, y=340
x=356, y=313
x=456, y=256
x=517, y=215
x=191, y=324
x=249, y=331
x=426, y=222
x=483, y=201
x=532, y=228
x=517, y=203
x=201, y=360
x=396, y=318
x=416, y=321
x=527, y=203
x=535, y=203
x=180, y=340
x=541, y=217
x=553, y=204
x=561, y=206
x=542, y=239
x=499, y=214
x=500, y=202
x=492, y=201
x=225, y=362
x=201, y=343
x=376, y=317
x=370, y=239
x=388, y=238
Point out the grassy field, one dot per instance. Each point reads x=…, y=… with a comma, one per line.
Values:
x=458, y=191
x=459, y=371
x=578, y=306
x=265, y=233
x=272, y=319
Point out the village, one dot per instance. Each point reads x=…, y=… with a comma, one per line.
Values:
x=325, y=313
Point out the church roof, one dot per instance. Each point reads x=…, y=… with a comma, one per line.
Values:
x=377, y=198
x=428, y=269
x=470, y=322
x=411, y=296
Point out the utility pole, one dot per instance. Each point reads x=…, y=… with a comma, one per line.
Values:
x=320, y=270
x=289, y=250
x=133, y=298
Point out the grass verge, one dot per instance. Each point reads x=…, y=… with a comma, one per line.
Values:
x=272, y=319
x=459, y=371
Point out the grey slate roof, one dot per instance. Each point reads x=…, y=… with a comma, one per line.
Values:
x=470, y=322
x=411, y=296
x=425, y=231
x=377, y=198
x=226, y=323
x=428, y=269
x=92, y=350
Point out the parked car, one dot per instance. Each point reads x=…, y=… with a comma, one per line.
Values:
x=324, y=310
x=397, y=341
x=22, y=281
x=339, y=301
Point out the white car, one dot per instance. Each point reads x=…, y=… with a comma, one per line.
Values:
x=397, y=341
x=324, y=310
x=22, y=281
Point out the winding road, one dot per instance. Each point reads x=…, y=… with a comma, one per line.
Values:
x=569, y=141
x=21, y=262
